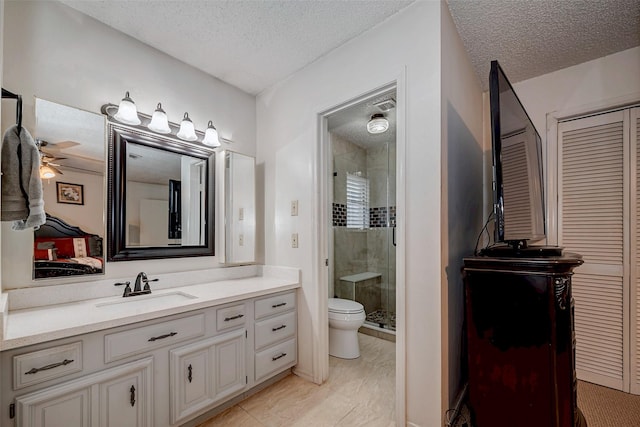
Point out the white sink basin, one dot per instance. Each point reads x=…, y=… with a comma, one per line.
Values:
x=147, y=302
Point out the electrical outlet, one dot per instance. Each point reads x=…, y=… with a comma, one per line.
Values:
x=294, y=240
x=294, y=208
x=241, y=240
x=241, y=214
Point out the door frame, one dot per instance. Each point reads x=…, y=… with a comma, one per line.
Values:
x=322, y=175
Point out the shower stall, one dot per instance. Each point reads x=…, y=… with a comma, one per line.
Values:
x=363, y=223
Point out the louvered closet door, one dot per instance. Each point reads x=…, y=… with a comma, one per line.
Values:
x=634, y=130
x=593, y=201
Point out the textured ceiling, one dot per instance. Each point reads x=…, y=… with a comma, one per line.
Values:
x=249, y=44
x=531, y=38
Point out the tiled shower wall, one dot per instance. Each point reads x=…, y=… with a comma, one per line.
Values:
x=357, y=251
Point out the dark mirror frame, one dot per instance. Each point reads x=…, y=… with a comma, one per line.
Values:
x=117, y=188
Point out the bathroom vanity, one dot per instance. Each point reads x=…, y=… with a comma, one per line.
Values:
x=161, y=359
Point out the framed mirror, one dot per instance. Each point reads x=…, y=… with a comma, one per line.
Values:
x=160, y=196
x=73, y=166
x=239, y=198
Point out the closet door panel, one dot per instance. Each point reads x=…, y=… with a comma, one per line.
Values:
x=634, y=131
x=593, y=203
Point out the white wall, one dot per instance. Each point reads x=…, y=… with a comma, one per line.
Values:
x=60, y=55
x=287, y=155
x=462, y=194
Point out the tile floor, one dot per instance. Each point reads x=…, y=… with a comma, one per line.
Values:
x=359, y=392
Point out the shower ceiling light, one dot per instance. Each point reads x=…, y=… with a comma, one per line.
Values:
x=377, y=124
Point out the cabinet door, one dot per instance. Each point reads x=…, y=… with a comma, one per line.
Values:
x=229, y=364
x=125, y=398
x=205, y=372
x=54, y=407
x=191, y=382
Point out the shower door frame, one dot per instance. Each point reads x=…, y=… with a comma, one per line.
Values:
x=322, y=252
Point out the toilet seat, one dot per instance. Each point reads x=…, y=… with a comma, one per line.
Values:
x=344, y=306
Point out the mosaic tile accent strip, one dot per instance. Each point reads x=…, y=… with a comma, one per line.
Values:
x=382, y=217
x=339, y=215
x=378, y=217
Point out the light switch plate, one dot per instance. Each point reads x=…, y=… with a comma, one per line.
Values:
x=294, y=240
x=294, y=208
x=241, y=214
x=241, y=240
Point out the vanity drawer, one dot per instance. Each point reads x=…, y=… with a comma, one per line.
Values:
x=44, y=365
x=140, y=340
x=230, y=317
x=275, y=329
x=275, y=304
x=275, y=358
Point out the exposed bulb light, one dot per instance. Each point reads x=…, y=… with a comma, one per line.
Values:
x=46, y=172
x=127, y=111
x=377, y=124
x=187, y=131
x=211, y=136
x=159, y=121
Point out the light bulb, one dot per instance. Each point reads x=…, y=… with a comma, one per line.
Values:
x=46, y=172
x=127, y=111
x=159, y=122
x=377, y=124
x=211, y=136
x=187, y=131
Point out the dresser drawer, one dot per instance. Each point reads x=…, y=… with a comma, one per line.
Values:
x=275, y=329
x=273, y=359
x=275, y=304
x=44, y=365
x=140, y=340
x=230, y=317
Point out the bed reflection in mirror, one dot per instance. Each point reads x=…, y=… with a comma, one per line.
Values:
x=73, y=167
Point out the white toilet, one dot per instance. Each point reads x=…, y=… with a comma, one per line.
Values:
x=345, y=317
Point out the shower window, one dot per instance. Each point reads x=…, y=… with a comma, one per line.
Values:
x=357, y=201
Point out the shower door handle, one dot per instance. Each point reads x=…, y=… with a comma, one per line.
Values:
x=394, y=236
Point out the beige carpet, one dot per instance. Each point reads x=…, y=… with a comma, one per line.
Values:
x=605, y=407
x=601, y=407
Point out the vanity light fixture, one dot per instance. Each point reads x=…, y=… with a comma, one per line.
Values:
x=127, y=111
x=377, y=124
x=211, y=136
x=46, y=172
x=187, y=131
x=159, y=121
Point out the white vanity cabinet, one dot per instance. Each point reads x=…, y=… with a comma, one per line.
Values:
x=154, y=373
x=117, y=397
x=275, y=334
x=205, y=372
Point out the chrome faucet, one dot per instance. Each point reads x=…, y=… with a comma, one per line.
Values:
x=142, y=278
x=138, y=288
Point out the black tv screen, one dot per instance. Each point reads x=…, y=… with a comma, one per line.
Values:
x=517, y=166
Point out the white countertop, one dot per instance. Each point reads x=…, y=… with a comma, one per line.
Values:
x=27, y=326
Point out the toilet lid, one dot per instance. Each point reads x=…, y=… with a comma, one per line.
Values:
x=346, y=306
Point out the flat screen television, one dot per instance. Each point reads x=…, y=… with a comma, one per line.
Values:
x=518, y=190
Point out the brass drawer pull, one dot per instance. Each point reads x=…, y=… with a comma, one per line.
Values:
x=278, y=328
x=239, y=316
x=278, y=357
x=46, y=368
x=279, y=305
x=161, y=337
